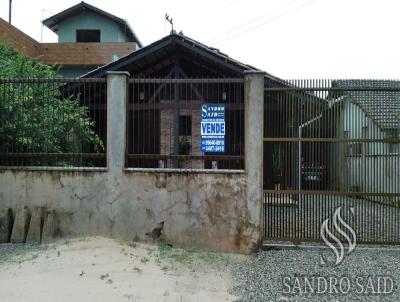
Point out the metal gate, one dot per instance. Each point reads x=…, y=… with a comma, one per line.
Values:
x=332, y=144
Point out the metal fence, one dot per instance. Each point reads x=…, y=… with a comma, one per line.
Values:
x=331, y=144
x=53, y=122
x=164, y=124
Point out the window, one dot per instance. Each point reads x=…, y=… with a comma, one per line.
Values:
x=87, y=35
x=185, y=125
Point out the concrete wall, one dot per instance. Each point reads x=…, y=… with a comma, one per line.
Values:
x=204, y=210
x=211, y=209
x=109, y=31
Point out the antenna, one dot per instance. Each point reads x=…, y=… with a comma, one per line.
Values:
x=170, y=21
x=41, y=28
x=9, y=12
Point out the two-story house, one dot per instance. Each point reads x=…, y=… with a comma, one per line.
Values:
x=88, y=38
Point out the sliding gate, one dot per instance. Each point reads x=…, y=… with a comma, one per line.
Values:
x=329, y=146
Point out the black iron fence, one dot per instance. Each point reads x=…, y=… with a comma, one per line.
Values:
x=166, y=117
x=331, y=144
x=53, y=122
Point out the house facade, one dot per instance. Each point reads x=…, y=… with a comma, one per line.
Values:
x=88, y=38
x=372, y=119
x=164, y=116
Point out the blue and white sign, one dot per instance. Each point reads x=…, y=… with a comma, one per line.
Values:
x=213, y=128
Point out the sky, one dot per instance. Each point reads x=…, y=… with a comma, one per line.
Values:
x=287, y=38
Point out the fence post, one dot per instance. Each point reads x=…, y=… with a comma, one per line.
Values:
x=254, y=134
x=117, y=94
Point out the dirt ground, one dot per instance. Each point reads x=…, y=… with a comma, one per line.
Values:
x=100, y=269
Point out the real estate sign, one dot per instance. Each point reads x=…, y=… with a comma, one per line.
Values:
x=213, y=128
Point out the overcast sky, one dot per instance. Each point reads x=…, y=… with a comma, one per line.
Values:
x=288, y=38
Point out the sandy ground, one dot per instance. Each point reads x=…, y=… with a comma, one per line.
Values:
x=99, y=269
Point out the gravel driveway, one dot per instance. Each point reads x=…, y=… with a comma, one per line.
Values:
x=372, y=221
x=260, y=278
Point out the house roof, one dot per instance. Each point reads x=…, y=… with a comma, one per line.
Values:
x=192, y=54
x=53, y=21
x=18, y=39
x=382, y=104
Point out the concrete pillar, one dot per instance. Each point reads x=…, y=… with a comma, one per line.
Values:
x=117, y=95
x=254, y=133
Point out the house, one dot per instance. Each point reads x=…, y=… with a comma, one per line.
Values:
x=88, y=37
x=151, y=107
x=368, y=116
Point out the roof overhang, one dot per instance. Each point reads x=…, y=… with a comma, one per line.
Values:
x=173, y=45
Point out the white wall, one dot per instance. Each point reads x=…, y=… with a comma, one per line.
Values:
x=375, y=170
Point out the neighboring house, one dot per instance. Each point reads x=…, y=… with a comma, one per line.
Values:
x=364, y=118
x=87, y=38
x=367, y=166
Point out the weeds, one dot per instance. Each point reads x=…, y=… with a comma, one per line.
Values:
x=137, y=269
x=165, y=245
x=127, y=242
x=144, y=260
x=190, y=255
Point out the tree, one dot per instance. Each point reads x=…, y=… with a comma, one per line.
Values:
x=34, y=117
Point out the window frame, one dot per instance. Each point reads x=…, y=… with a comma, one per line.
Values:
x=81, y=31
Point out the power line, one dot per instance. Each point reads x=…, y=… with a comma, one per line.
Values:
x=250, y=21
x=266, y=22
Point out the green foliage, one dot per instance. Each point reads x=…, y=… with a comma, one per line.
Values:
x=165, y=245
x=33, y=117
x=127, y=242
x=193, y=257
x=184, y=146
x=184, y=149
x=15, y=65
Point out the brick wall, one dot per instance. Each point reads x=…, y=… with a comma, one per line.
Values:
x=167, y=133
